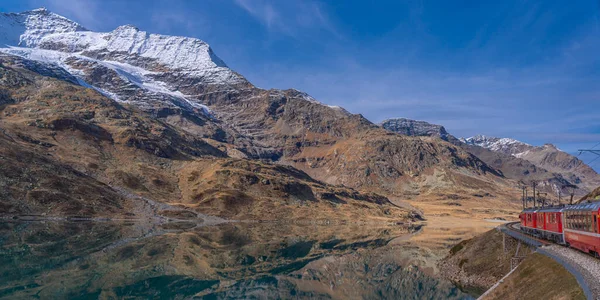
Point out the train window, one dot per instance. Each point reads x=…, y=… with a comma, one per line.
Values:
x=595, y=224
x=570, y=220
x=588, y=222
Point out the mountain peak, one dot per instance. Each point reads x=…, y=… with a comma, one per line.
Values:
x=491, y=142
x=415, y=128
x=127, y=27
x=27, y=29
x=40, y=10
x=161, y=69
x=550, y=146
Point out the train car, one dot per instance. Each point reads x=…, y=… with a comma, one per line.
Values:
x=529, y=220
x=552, y=227
x=582, y=228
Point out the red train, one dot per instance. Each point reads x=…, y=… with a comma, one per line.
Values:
x=576, y=226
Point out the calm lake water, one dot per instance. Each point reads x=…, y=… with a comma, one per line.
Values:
x=102, y=260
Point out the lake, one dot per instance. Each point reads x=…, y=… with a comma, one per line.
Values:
x=183, y=260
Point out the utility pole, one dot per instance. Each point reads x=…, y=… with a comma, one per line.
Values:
x=572, y=194
x=534, y=202
x=571, y=188
x=543, y=199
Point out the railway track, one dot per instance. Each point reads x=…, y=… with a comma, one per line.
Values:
x=514, y=229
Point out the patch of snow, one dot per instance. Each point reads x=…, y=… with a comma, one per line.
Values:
x=521, y=154
x=133, y=74
x=181, y=54
x=46, y=30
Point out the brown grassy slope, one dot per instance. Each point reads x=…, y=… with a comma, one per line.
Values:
x=34, y=184
x=130, y=150
x=337, y=147
x=255, y=190
x=538, y=277
x=480, y=262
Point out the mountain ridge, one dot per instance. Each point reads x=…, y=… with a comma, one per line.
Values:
x=273, y=127
x=517, y=160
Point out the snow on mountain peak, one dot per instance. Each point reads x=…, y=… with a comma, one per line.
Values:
x=128, y=43
x=43, y=29
x=504, y=145
x=26, y=29
x=160, y=66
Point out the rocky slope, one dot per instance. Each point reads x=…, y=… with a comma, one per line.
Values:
x=74, y=152
x=174, y=99
x=417, y=128
x=551, y=168
x=548, y=157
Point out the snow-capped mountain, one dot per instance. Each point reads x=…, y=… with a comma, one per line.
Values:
x=546, y=156
x=149, y=66
x=26, y=29
x=503, y=145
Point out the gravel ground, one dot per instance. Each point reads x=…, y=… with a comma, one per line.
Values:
x=587, y=266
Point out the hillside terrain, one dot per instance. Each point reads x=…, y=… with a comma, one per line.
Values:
x=551, y=168
x=163, y=118
x=73, y=152
x=479, y=263
x=592, y=196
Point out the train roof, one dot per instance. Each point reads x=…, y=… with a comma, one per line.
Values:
x=586, y=206
x=559, y=208
x=531, y=209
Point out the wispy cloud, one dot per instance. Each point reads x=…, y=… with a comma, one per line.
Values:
x=289, y=17
x=85, y=12
x=176, y=20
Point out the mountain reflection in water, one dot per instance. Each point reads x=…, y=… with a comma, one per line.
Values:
x=69, y=260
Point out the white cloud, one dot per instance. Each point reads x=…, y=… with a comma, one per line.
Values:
x=289, y=17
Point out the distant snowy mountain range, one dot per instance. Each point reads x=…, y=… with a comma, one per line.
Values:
x=516, y=159
x=504, y=145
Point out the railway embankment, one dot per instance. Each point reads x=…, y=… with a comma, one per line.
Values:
x=484, y=261
x=585, y=265
x=478, y=263
x=537, y=277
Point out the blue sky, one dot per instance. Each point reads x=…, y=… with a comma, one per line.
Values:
x=529, y=70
